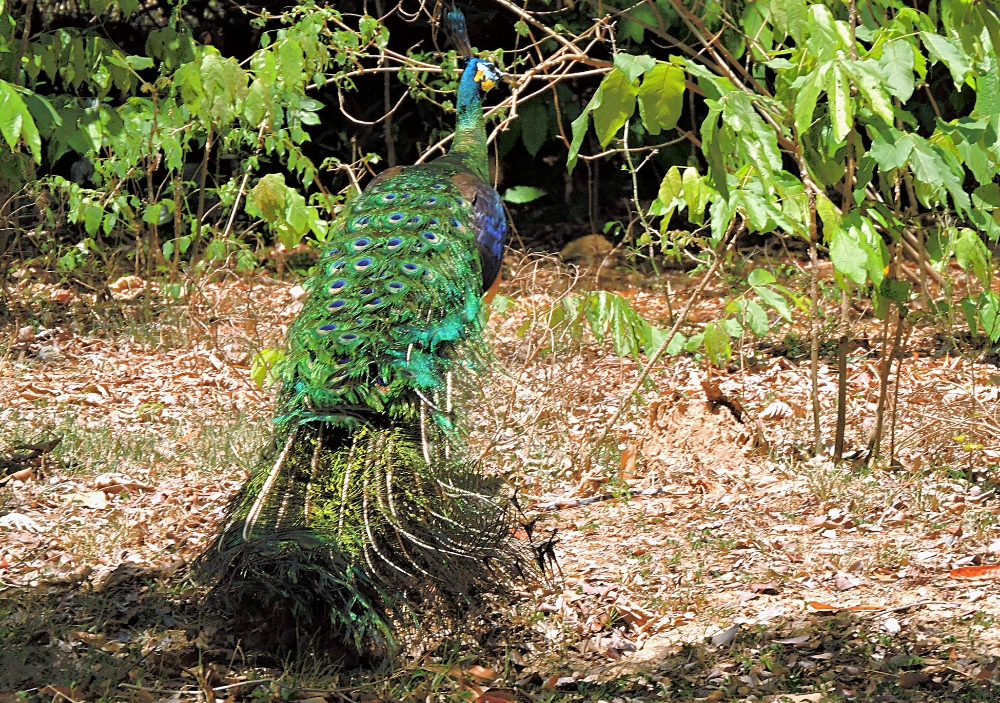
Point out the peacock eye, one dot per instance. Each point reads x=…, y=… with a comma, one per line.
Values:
x=337, y=285
x=336, y=266
x=393, y=243
x=396, y=217
x=395, y=286
x=389, y=197
x=430, y=237
x=373, y=303
x=432, y=222
x=360, y=244
x=367, y=291
x=410, y=267
x=362, y=264
x=430, y=200
x=337, y=304
x=327, y=328
x=455, y=223
x=438, y=186
x=349, y=337
x=362, y=221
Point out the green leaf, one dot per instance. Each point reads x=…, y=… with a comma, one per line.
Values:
x=522, y=194
x=951, y=54
x=654, y=338
x=896, y=65
x=757, y=139
x=791, y=17
x=296, y=216
x=713, y=154
x=661, y=97
x=691, y=182
x=989, y=194
x=267, y=198
x=894, y=289
x=633, y=66
x=970, y=309
x=92, y=217
x=869, y=78
x=290, y=62
x=756, y=318
x=848, y=257
x=16, y=122
x=262, y=370
x=671, y=187
x=534, y=119
x=760, y=277
x=579, y=127
x=255, y=105
x=757, y=211
x=805, y=101
x=773, y=299
x=825, y=37
x=838, y=93
x=611, y=316
x=717, y=344
x=828, y=215
x=158, y=213
x=931, y=165
x=617, y=106
x=972, y=254
x=989, y=315
x=890, y=149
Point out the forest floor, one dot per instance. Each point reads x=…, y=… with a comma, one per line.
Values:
x=701, y=556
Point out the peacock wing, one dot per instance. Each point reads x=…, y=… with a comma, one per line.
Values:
x=398, y=286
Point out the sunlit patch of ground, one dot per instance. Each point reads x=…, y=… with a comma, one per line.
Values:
x=700, y=555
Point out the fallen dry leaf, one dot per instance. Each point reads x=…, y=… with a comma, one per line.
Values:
x=499, y=695
x=97, y=500
x=976, y=572
x=910, y=679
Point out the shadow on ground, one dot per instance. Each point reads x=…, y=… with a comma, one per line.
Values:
x=144, y=636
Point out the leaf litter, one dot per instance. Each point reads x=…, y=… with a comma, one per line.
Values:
x=702, y=552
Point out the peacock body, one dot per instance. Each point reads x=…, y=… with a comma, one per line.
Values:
x=366, y=501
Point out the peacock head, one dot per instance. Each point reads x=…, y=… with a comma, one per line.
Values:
x=486, y=74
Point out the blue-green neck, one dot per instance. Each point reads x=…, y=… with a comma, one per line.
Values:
x=470, y=128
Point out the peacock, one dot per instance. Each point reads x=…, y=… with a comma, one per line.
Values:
x=366, y=507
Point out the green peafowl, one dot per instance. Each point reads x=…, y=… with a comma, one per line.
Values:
x=365, y=504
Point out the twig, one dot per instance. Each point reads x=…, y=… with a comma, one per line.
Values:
x=727, y=241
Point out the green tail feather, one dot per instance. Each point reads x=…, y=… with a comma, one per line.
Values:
x=335, y=525
x=366, y=501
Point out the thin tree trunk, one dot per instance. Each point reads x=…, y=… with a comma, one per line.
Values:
x=845, y=314
x=895, y=396
x=845, y=294
x=23, y=48
x=887, y=356
x=178, y=223
x=813, y=324
x=201, y=195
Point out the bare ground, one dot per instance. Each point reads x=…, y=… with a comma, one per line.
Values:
x=701, y=556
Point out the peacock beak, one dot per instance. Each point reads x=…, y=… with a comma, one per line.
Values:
x=487, y=84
